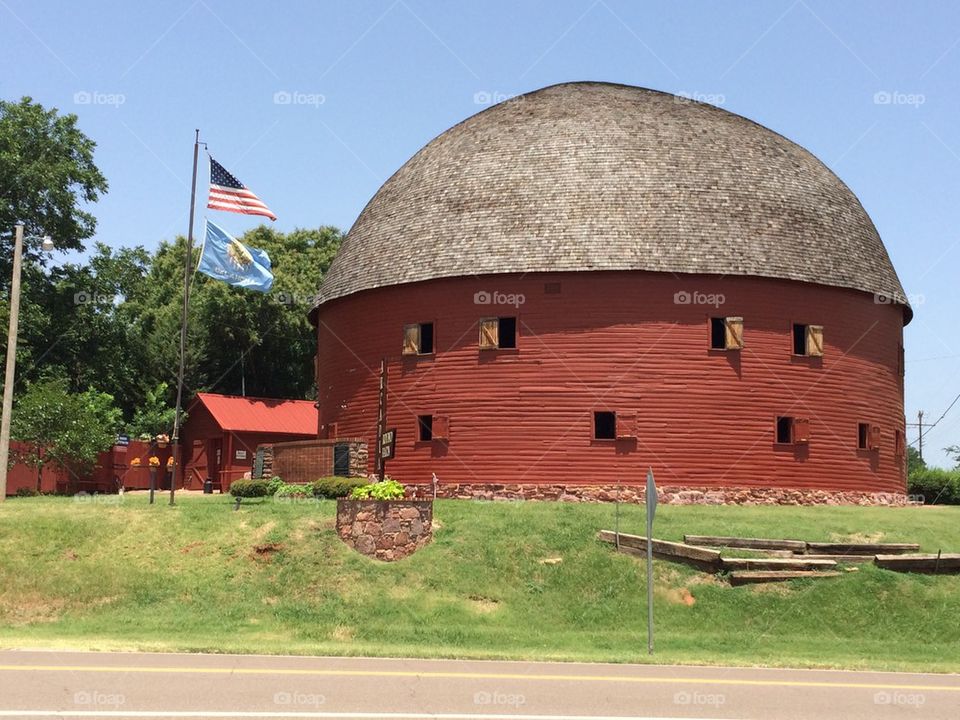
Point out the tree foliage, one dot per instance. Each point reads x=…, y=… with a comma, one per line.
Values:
x=47, y=174
x=69, y=428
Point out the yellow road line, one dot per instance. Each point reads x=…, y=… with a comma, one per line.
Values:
x=475, y=676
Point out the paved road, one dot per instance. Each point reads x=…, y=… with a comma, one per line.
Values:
x=146, y=685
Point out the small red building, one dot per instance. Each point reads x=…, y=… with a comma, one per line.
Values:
x=221, y=434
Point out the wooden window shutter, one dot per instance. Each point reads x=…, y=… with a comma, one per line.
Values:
x=815, y=340
x=734, y=333
x=489, y=333
x=333, y=429
x=411, y=339
x=801, y=430
x=901, y=361
x=626, y=425
x=441, y=427
x=899, y=447
x=874, y=437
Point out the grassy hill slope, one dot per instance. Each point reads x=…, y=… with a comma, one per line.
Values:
x=274, y=578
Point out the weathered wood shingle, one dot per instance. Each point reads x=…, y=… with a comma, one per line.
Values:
x=596, y=176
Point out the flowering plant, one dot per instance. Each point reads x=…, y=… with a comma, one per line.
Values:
x=135, y=462
x=154, y=461
x=170, y=461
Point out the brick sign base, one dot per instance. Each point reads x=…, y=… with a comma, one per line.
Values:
x=385, y=529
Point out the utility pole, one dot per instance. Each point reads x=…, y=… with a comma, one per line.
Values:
x=920, y=426
x=11, y=360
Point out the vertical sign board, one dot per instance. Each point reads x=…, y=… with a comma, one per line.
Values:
x=651, y=510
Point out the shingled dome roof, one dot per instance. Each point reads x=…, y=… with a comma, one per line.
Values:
x=596, y=176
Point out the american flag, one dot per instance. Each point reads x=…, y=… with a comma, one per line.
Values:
x=229, y=194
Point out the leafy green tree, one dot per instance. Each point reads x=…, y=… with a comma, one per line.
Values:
x=155, y=415
x=47, y=174
x=68, y=428
x=914, y=461
x=238, y=339
x=954, y=452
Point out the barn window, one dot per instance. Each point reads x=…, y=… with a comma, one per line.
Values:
x=863, y=436
x=425, y=427
x=726, y=333
x=498, y=333
x=418, y=339
x=808, y=340
x=784, y=430
x=604, y=425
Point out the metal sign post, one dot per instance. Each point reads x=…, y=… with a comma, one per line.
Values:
x=651, y=501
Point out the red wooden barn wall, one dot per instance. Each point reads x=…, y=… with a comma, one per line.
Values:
x=619, y=341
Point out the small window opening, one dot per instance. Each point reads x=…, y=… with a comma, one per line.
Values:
x=418, y=339
x=863, y=436
x=784, y=430
x=718, y=334
x=425, y=424
x=605, y=425
x=551, y=288
x=426, y=338
x=507, y=332
x=799, y=339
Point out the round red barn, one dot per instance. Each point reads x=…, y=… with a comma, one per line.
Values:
x=593, y=279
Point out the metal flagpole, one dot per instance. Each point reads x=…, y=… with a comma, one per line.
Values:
x=183, y=321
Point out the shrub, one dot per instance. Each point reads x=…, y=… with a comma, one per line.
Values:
x=26, y=492
x=386, y=490
x=336, y=487
x=276, y=482
x=935, y=485
x=250, y=488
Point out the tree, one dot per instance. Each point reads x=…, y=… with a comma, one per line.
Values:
x=46, y=173
x=69, y=428
x=954, y=452
x=239, y=339
x=154, y=416
x=914, y=461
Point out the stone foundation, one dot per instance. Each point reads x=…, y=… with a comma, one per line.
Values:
x=665, y=495
x=385, y=529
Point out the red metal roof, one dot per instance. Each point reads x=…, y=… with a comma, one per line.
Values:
x=255, y=414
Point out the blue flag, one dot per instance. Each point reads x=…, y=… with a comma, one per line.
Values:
x=223, y=257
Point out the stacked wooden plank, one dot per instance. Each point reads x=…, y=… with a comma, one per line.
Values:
x=920, y=562
x=698, y=557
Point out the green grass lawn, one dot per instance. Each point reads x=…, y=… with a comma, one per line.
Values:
x=130, y=576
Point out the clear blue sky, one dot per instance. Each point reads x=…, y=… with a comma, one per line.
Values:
x=393, y=74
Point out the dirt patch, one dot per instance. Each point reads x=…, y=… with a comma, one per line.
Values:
x=270, y=600
x=186, y=549
x=483, y=605
x=680, y=596
x=266, y=551
x=70, y=555
x=30, y=609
